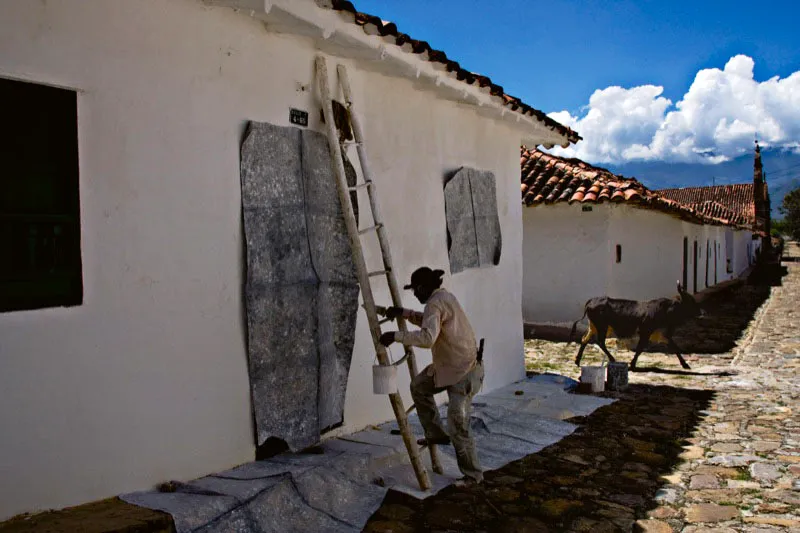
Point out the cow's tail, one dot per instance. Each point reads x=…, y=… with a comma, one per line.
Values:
x=575, y=326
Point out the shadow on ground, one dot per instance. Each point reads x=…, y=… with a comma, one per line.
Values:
x=728, y=313
x=677, y=372
x=602, y=478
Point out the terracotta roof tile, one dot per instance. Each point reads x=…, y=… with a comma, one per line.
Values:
x=373, y=25
x=551, y=179
x=631, y=194
x=733, y=202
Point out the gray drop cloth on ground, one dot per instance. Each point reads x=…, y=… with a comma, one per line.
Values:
x=301, y=289
x=472, y=222
x=336, y=491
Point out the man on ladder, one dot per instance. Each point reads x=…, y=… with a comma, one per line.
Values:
x=457, y=366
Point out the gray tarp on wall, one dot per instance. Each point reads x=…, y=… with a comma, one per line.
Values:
x=470, y=200
x=301, y=289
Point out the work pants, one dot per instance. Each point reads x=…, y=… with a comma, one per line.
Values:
x=458, y=415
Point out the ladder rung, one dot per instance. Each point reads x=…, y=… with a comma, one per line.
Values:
x=360, y=186
x=371, y=228
x=378, y=273
x=385, y=320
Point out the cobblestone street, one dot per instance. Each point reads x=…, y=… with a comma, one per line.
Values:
x=742, y=472
x=712, y=450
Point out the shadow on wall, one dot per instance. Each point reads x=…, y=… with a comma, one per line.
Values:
x=611, y=467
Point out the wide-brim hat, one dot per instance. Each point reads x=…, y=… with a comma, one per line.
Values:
x=424, y=276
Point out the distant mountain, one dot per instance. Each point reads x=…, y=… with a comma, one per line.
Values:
x=782, y=169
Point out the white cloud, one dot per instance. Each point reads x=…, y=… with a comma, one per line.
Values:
x=717, y=119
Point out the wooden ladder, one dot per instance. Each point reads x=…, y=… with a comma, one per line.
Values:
x=364, y=276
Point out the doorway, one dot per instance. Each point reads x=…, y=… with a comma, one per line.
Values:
x=685, y=261
x=694, y=269
x=716, y=257
x=729, y=251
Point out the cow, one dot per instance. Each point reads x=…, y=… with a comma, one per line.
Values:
x=653, y=320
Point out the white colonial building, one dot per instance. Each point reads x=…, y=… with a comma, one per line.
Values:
x=588, y=233
x=123, y=339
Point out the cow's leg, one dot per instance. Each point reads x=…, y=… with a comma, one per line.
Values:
x=674, y=346
x=580, y=354
x=644, y=340
x=584, y=341
x=601, y=341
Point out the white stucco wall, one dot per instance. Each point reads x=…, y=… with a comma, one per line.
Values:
x=569, y=256
x=743, y=251
x=566, y=258
x=738, y=246
x=652, y=253
x=147, y=380
x=697, y=260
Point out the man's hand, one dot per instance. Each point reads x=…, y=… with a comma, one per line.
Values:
x=387, y=338
x=394, y=312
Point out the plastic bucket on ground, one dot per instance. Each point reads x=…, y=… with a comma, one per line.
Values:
x=617, y=376
x=596, y=375
x=384, y=379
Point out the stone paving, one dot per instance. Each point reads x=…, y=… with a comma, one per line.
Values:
x=711, y=450
x=742, y=469
x=742, y=472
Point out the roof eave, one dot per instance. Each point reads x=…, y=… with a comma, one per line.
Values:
x=331, y=25
x=642, y=198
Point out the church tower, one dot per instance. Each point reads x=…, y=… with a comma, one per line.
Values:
x=761, y=196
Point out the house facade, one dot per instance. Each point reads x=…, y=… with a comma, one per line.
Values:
x=588, y=232
x=746, y=204
x=136, y=372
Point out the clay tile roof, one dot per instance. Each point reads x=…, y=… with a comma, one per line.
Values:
x=717, y=210
x=734, y=202
x=373, y=25
x=632, y=194
x=549, y=179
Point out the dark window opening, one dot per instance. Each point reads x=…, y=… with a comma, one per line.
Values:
x=40, y=262
x=619, y=253
x=716, y=257
x=694, y=269
x=685, y=262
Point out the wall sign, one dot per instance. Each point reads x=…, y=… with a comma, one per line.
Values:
x=299, y=117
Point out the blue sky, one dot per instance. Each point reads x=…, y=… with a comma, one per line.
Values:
x=556, y=54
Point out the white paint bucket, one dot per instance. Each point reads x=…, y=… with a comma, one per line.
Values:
x=384, y=379
x=596, y=375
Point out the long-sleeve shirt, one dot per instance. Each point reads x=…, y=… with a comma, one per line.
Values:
x=444, y=329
